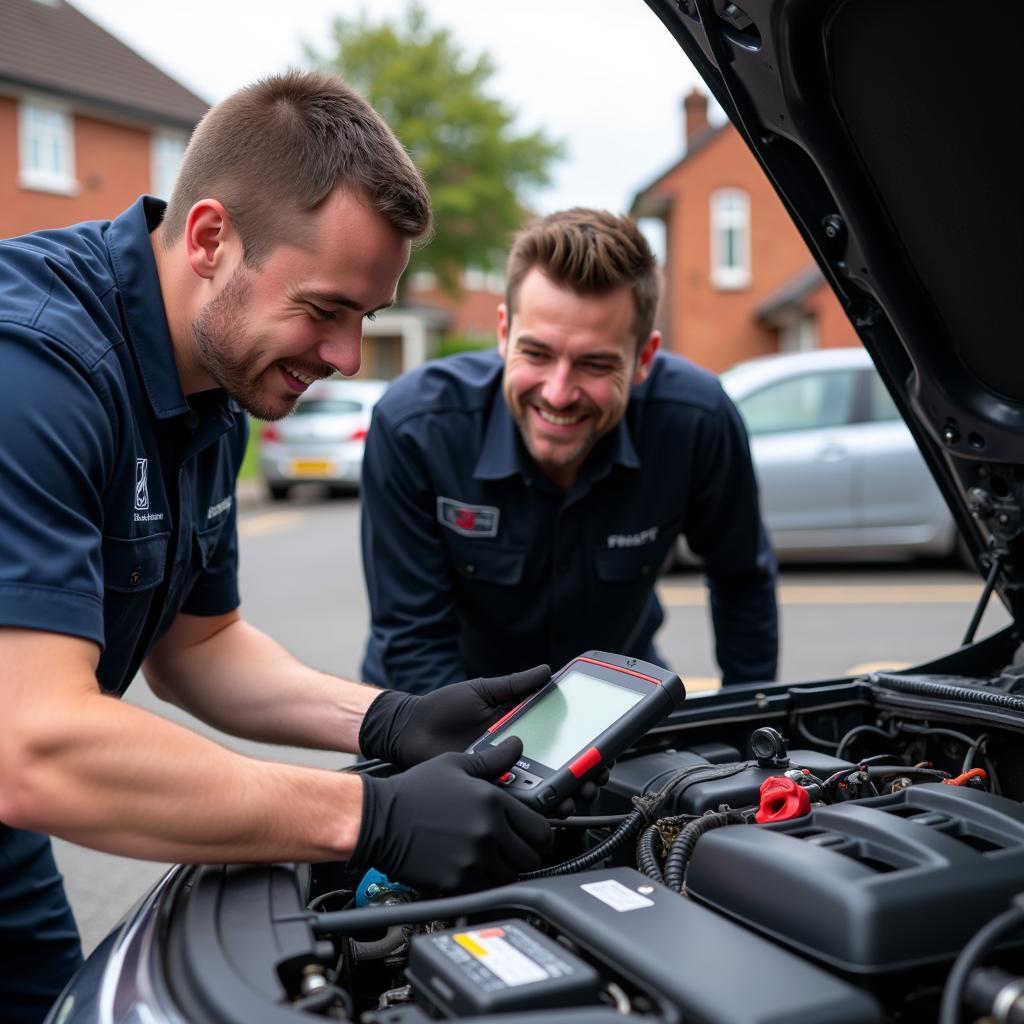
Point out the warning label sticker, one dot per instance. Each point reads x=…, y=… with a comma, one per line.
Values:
x=616, y=895
x=500, y=957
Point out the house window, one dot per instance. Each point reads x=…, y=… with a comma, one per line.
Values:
x=730, y=238
x=46, y=146
x=168, y=150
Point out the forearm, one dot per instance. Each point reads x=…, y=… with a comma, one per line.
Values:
x=245, y=683
x=116, y=778
x=745, y=618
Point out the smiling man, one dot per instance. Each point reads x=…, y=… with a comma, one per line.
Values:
x=519, y=504
x=128, y=348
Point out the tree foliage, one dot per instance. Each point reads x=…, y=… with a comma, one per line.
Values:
x=434, y=96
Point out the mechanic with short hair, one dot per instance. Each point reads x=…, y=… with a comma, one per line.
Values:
x=130, y=349
x=519, y=504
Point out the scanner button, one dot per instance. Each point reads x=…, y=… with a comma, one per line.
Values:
x=507, y=779
x=587, y=760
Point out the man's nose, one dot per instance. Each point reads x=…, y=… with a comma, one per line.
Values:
x=342, y=348
x=560, y=386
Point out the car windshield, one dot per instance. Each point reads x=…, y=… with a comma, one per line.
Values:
x=327, y=406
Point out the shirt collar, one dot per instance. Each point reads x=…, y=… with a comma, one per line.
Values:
x=142, y=307
x=503, y=453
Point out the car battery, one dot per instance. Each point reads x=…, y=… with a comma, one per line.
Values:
x=498, y=968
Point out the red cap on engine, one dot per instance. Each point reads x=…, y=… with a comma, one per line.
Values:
x=782, y=799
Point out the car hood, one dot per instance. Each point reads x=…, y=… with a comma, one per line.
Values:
x=886, y=126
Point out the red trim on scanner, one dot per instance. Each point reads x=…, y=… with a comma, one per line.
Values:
x=618, y=668
x=587, y=760
x=508, y=714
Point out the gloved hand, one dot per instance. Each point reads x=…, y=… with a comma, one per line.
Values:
x=405, y=729
x=445, y=826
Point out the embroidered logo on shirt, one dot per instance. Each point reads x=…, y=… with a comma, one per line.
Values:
x=141, y=485
x=142, y=513
x=469, y=520
x=219, y=509
x=633, y=540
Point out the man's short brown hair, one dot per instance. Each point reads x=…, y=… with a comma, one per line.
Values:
x=590, y=252
x=277, y=149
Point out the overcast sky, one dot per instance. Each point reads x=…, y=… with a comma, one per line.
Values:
x=604, y=75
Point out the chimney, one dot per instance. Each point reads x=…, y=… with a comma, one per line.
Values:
x=695, y=115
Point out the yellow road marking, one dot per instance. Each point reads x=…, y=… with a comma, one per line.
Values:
x=269, y=522
x=796, y=594
x=698, y=684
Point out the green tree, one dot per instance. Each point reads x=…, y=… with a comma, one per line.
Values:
x=434, y=96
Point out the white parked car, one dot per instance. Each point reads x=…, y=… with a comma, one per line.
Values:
x=840, y=473
x=322, y=441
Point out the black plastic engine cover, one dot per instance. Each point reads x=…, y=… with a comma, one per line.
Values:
x=695, y=964
x=869, y=886
x=649, y=772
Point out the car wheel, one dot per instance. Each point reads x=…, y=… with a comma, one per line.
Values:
x=278, y=492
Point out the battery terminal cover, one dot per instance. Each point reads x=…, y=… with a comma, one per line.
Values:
x=782, y=798
x=498, y=967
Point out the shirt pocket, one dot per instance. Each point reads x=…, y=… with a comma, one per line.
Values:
x=480, y=562
x=206, y=542
x=134, y=566
x=628, y=565
x=132, y=572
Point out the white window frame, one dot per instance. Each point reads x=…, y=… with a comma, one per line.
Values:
x=55, y=129
x=166, y=148
x=729, y=210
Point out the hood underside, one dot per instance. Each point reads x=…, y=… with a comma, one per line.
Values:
x=889, y=129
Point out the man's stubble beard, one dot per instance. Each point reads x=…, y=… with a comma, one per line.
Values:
x=228, y=353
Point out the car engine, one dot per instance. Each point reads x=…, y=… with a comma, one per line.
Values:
x=818, y=853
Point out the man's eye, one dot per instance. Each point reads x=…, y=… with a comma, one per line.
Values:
x=597, y=367
x=533, y=354
x=321, y=314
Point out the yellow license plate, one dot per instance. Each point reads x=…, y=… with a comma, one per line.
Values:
x=312, y=467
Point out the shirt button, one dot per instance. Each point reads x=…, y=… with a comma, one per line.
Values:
x=645, y=570
x=470, y=568
x=136, y=577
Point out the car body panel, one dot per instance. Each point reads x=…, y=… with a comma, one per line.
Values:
x=838, y=476
x=322, y=441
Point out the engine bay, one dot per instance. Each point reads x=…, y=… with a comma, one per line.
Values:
x=818, y=853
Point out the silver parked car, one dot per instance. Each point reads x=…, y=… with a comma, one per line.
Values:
x=840, y=474
x=322, y=441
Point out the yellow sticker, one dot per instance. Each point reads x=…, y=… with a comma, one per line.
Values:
x=469, y=944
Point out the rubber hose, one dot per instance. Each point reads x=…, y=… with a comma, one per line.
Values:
x=648, y=848
x=621, y=835
x=946, y=691
x=678, y=858
x=397, y=935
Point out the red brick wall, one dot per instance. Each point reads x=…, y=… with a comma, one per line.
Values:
x=474, y=313
x=112, y=167
x=713, y=327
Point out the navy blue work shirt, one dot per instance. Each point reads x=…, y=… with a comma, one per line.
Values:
x=478, y=564
x=117, y=508
x=117, y=500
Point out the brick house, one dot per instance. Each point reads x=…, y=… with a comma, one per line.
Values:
x=739, y=280
x=86, y=124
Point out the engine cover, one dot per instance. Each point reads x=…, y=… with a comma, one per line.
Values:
x=876, y=885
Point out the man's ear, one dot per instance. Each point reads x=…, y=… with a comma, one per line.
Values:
x=504, y=322
x=209, y=237
x=646, y=357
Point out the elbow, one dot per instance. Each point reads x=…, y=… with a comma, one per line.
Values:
x=23, y=802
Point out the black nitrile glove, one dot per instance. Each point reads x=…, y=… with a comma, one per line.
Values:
x=405, y=729
x=445, y=826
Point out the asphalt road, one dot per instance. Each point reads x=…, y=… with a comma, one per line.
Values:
x=302, y=583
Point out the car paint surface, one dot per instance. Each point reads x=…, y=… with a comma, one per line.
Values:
x=840, y=474
x=317, y=444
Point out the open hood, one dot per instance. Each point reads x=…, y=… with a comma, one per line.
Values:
x=890, y=129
